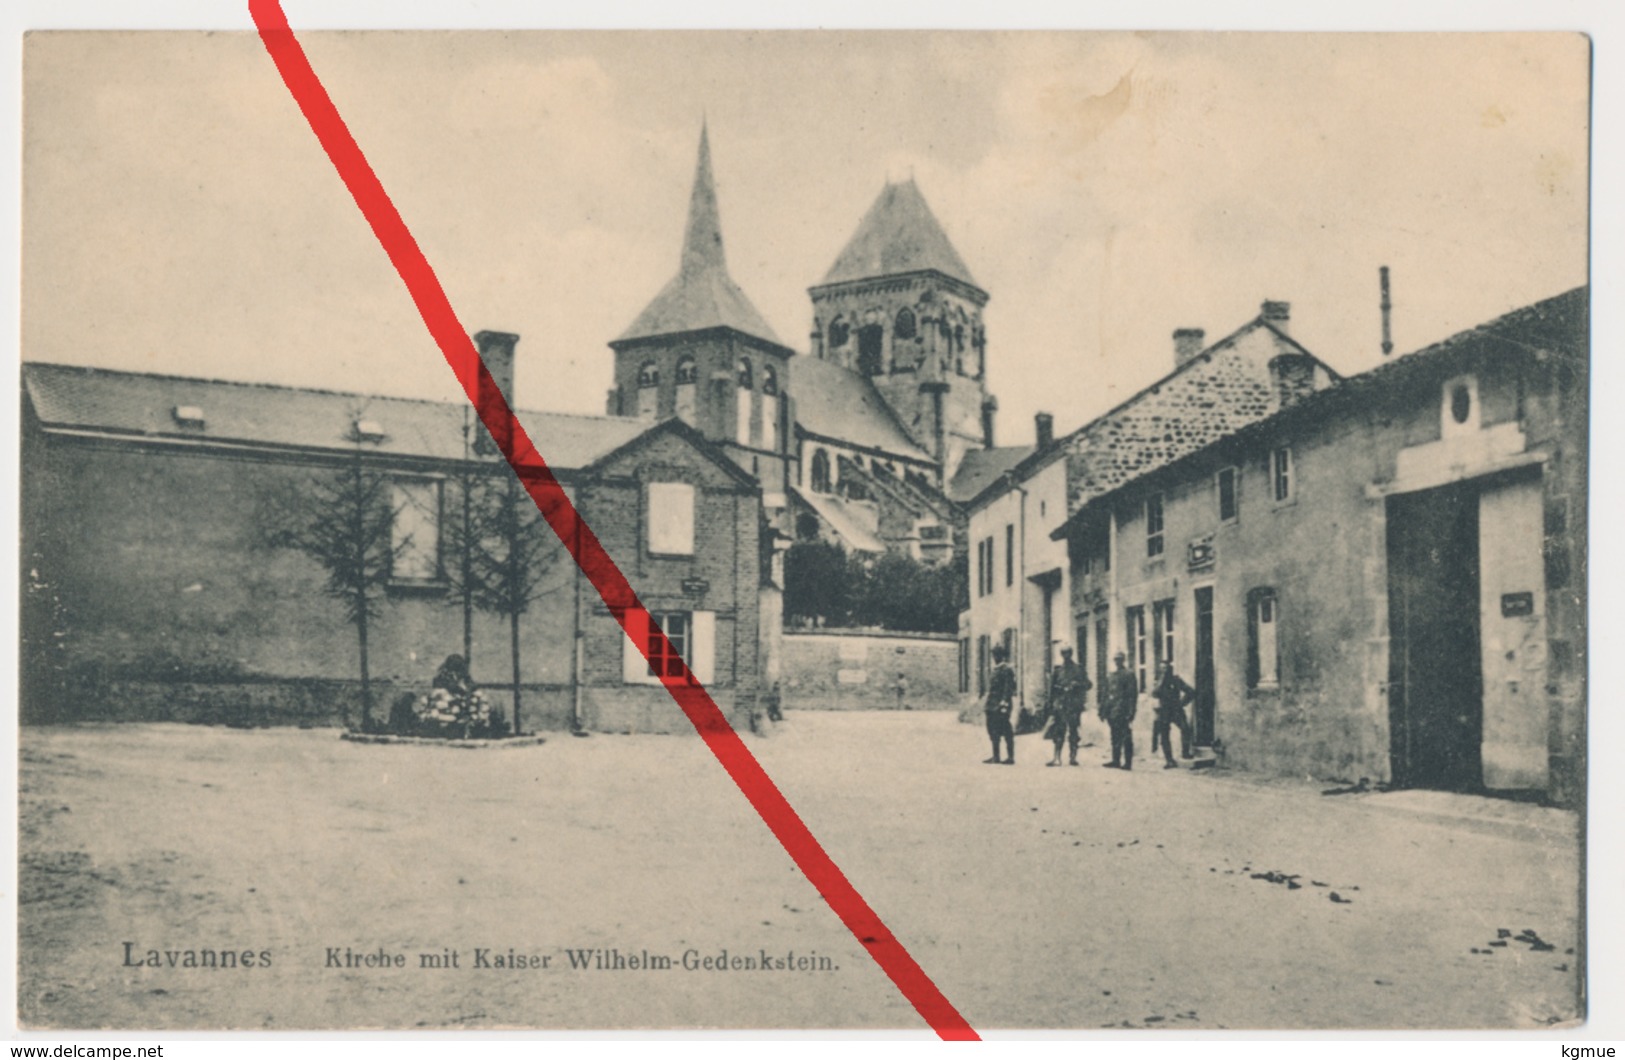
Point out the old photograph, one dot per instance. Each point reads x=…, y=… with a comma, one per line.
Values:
x=1040, y=530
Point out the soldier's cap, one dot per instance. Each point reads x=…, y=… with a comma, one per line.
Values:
x=1119, y=655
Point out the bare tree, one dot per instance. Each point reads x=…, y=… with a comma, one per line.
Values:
x=508, y=560
x=345, y=521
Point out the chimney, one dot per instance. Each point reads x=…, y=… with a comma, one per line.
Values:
x=496, y=350
x=990, y=405
x=1188, y=342
x=1387, y=335
x=1044, y=428
x=1277, y=313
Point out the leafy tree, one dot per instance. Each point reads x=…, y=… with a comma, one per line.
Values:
x=345, y=521
x=817, y=583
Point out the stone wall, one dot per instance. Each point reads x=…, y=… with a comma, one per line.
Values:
x=856, y=670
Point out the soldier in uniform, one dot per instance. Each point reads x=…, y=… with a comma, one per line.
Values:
x=1068, y=690
x=1117, y=710
x=1001, y=699
x=1171, y=694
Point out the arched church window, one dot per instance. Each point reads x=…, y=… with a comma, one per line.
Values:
x=742, y=410
x=959, y=338
x=870, y=339
x=770, y=408
x=648, y=392
x=839, y=332
x=905, y=323
x=820, y=471
x=687, y=391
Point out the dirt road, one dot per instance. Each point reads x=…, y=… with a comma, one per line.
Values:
x=1034, y=897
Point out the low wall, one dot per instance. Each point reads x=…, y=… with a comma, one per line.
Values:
x=857, y=670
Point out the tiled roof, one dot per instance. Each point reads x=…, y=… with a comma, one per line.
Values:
x=899, y=234
x=981, y=468
x=254, y=414
x=841, y=404
x=1214, y=394
x=1556, y=326
x=702, y=295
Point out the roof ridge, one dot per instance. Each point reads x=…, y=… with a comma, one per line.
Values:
x=291, y=389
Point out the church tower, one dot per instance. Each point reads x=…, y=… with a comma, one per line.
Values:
x=701, y=352
x=900, y=307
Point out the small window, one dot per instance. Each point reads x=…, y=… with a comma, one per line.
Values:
x=416, y=533
x=189, y=415
x=1461, y=402
x=770, y=408
x=369, y=431
x=689, y=639
x=1153, y=525
x=1162, y=622
x=742, y=410
x=1229, y=507
x=669, y=654
x=839, y=332
x=648, y=375
x=905, y=324
x=1281, y=474
x=1009, y=554
x=686, y=403
x=820, y=471
x=671, y=519
x=1263, y=640
x=984, y=651
x=1139, y=646
x=964, y=666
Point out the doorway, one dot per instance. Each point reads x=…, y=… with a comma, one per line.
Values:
x=1202, y=709
x=1435, y=698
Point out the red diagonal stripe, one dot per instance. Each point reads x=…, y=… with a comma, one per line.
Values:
x=449, y=334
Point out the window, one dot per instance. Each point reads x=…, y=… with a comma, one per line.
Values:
x=687, y=391
x=870, y=339
x=1009, y=554
x=648, y=391
x=1162, y=622
x=671, y=519
x=839, y=331
x=1459, y=411
x=770, y=408
x=820, y=471
x=984, y=566
x=1281, y=474
x=1153, y=525
x=964, y=666
x=1229, y=509
x=1137, y=646
x=690, y=639
x=984, y=651
x=905, y=324
x=742, y=408
x=416, y=535
x=1263, y=641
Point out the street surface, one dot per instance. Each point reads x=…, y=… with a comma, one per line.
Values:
x=1069, y=898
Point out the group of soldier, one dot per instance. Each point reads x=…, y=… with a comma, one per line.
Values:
x=1069, y=688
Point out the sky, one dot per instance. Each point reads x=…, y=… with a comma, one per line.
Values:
x=1104, y=188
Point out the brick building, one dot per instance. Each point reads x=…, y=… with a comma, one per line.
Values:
x=1384, y=578
x=153, y=588
x=1022, y=583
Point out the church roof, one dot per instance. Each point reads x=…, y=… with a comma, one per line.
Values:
x=899, y=234
x=702, y=295
x=981, y=468
x=140, y=405
x=841, y=405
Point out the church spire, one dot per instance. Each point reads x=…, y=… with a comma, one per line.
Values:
x=702, y=295
x=702, y=240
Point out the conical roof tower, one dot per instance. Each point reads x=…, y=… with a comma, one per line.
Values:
x=702, y=295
